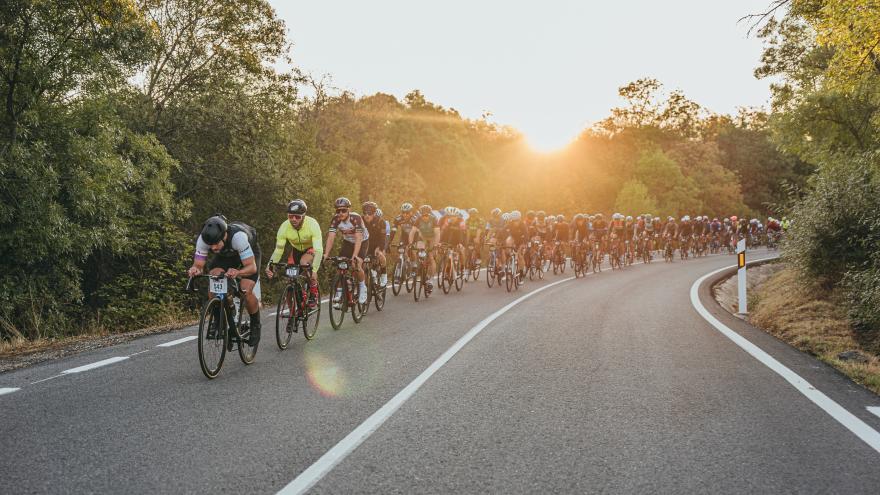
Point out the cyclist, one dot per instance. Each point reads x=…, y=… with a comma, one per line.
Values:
x=429, y=233
x=453, y=230
x=403, y=223
x=628, y=231
x=516, y=237
x=600, y=231
x=476, y=228
x=306, y=245
x=235, y=252
x=378, y=238
x=617, y=227
x=354, y=240
x=562, y=233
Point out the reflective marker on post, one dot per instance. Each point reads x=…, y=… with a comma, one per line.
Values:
x=741, y=275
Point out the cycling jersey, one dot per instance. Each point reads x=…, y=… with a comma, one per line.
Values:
x=518, y=231
x=377, y=233
x=452, y=230
x=241, y=243
x=686, y=229
x=308, y=236
x=561, y=232
x=579, y=230
x=349, y=227
x=425, y=226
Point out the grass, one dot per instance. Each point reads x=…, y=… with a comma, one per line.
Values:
x=814, y=320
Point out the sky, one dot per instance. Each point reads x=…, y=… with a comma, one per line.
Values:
x=548, y=68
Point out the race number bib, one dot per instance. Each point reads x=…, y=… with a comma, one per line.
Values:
x=218, y=285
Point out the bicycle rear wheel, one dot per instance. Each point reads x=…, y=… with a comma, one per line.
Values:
x=246, y=352
x=490, y=273
x=285, y=317
x=212, y=348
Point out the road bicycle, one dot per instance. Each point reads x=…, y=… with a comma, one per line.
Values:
x=668, y=249
x=344, y=293
x=294, y=310
x=450, y=273
x=400, y=275
x=596, y=255
x=492, y=273
x=474, y=263
x=420, y=274
x=614, y=255
x=535, y=253
x=375, y=290
x=512, y=276
x=223, y=324
x=558, y=259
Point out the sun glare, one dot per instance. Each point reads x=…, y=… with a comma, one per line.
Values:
x=548, y=143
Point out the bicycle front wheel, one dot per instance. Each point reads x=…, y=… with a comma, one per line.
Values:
x=337, y=302
x=285, y=317
x=212, y=338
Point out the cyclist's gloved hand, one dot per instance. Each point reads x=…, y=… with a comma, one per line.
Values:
x=232, y=273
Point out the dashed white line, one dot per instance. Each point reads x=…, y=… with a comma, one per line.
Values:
x=861, y=429
x=338, y=452
x=178, y=341
x=8, y=390
x=874, y=410
x=92, y=366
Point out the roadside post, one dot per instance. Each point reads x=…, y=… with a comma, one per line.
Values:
x=741, y=275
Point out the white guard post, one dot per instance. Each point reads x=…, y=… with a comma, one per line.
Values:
x=741, y=275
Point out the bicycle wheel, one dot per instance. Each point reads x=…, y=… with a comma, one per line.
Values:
x=285, y=317
x=490, y=272
x=212, y=348
x=379, y=292
x=508, y=275
x=397, y=280
x=444, y=276
x=458, y=274
x=337, y=301
x=357, y=309
x=246, y=352
x=311, y=317
x=368, y=282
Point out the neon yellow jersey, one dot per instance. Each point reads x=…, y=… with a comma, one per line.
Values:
x=308, y=236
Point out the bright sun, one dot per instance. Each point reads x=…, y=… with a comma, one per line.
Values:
x=547, y=142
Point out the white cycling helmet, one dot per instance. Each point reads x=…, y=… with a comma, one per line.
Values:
x=450, y=211
x=505, y=217
x=515, y=215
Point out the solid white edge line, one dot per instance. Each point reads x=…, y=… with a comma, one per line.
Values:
x=92, y=366
x=874, y=410
x=340, y=451
x=178, y=341
x=861, y=429
x=8, y=390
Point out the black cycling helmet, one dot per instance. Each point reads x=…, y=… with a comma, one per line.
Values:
x=496, y=212
x=426, y=210
x=530, y=214
x=297, y=207
x=369, y=207
x=214, y=230
x=342, y=203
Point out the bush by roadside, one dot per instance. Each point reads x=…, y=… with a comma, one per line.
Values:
x=814, y=319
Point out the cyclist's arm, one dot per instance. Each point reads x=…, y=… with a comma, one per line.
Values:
x=200, y=257
x=240, y=243
x=280, y=243
x=387, y=235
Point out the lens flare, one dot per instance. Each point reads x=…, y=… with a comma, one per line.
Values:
x=325, y=375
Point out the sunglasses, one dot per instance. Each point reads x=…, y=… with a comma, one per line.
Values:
x=295, y=216
x=341, y=210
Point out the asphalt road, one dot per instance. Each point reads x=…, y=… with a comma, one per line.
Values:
x=612, y=383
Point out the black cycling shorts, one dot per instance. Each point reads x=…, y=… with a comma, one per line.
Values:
x=348, y=249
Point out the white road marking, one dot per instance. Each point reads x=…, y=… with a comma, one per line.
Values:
x=835, y=410
x=874, y=410
x=8, y=390
x=46, y=379
x=92, y=366
x=178, y=341
x=340, y=451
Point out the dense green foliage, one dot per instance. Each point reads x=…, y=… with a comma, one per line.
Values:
x=826, y=111
x=125, y=124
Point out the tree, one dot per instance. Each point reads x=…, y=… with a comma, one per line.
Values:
x=635, y=199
